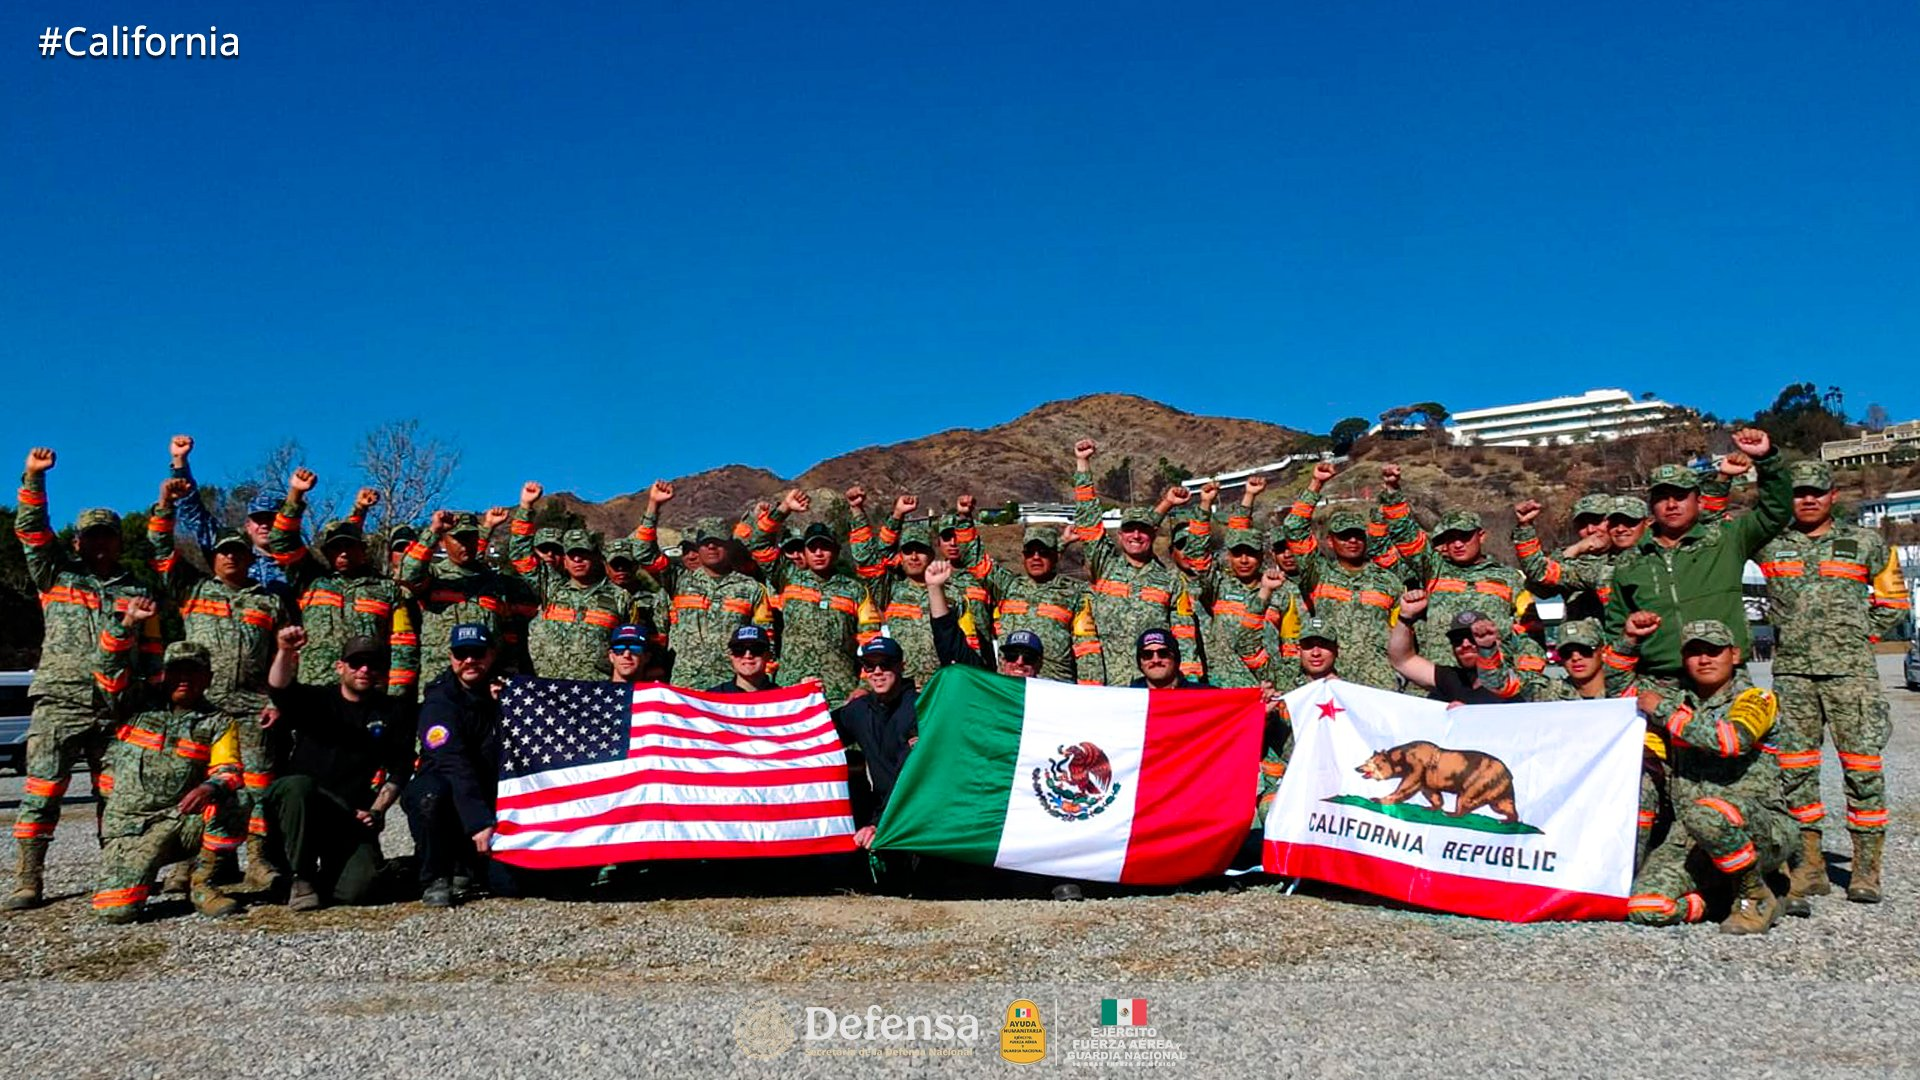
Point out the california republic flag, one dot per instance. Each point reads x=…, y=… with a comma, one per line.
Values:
x=1150, y=787
x=1517, y=812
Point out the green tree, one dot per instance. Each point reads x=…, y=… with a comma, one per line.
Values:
x=1802, y=418
x=1347, y=432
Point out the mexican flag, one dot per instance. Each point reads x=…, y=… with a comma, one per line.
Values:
x=1148, y=787
x=1519, y=812
x=1123, y=1012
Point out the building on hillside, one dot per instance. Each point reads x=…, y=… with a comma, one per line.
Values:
x=1231, y=485
x=1596, y=414
x=1895, y=442
x=1902, y=507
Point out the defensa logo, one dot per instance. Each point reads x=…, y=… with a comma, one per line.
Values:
x=765, y=1031
x=1076, y=785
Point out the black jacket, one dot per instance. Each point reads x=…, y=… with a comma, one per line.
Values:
x=881, y=729
x=460, y=742
x=950, y=643
x=732, y=687
x=349, y=748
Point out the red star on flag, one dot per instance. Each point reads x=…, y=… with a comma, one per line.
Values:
x=1328, y=708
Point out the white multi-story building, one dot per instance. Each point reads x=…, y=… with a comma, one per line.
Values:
x=1874, y=446
x=1596, y=414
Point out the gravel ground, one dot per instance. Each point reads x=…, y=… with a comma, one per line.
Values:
x=1309, y=984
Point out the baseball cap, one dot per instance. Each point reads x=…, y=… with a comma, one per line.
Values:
x=1342, y=521
x=1580, y=632
x=1154, y=638
x=1811, y=474
x=630, y=634
x=1244, y=538
x=882, y=646
x=790, y=539
x=401, y=535
x=1629, y=506
x=361, y=645
x=819, y=530
x=187, y=652
x=707, y=530
x=465, y=522
x=1674, y=476
x=1024, y=639
x=265, y=502
x=470, y=635
x=1462, y=622
x=1711, y=631
x=546, y=536
x=97, y=519
x=341, y=530
x=231, y=538
x=1140, y=515
x=751, y=635
x=1038, y=534
x=916, y=534
x=578, y=540
x=1596, y=504
x=1465, y=521
x=1318, y=629
x=620, y=549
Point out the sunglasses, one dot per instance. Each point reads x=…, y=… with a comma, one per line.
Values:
x=748, y=650
x=355, y=663
x=1021, y=656
x=822, y=545
x=469, y=653
x=1156, y=654
x=1576, y=650
x=876, y=663
x=1622, y=522
x=628, y=650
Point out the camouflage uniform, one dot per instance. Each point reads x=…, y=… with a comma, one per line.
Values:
x=239, y=628
x=1129, y=599
x=1832, y=595
x=647, y=604
x=824, y=617
x=968, y=591
x=450, y=594
x=1581, y=581
x=160, y=755
x=1484, y=585
x=1242, y=646
x=1361, y=604
x=1059, y=610
x=70, y=715
x=335, y=607
x=1729, y=814
x=903, y=606
x=704, y=608
x=570, y=636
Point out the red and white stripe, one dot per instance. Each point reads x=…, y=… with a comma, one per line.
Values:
x=706, y=776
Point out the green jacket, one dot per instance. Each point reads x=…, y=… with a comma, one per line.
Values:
x=1698, y=578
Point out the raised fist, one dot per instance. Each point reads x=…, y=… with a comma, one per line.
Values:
x=530, y=493
x=292, y=638
x=939, y=572
x=442, y=521
x=302, y=480
x=1272, y=579
x=1642, y=624
x=1256, y=483
x=139, y=610
x=1322, y=473
x=1209, y=494
x=963, y=505
x=1413, y=603
x=795, y=501
x=1753, y=442
x=1390, y=475
x=39, y=460
x=173, y=490
x=857, y=498
x=494, y=518
x=179, y=447
x=1485, y=634
x=1527, y=512
x=366, y=499
x=1178, y=496
x=1650, y=702
x=1597, y=544
x=1735, y=464
x=904, y=505
x=1083, y=451
x=660, y=493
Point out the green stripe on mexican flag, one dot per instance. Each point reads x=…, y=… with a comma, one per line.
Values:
x=1149, y=787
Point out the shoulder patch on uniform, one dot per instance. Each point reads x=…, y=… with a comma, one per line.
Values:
x=437, y=736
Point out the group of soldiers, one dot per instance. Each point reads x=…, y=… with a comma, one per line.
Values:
x=178, y=733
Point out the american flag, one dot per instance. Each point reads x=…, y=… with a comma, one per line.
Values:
x=596, y=773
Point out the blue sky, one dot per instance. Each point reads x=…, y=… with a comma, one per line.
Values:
x=599, y=243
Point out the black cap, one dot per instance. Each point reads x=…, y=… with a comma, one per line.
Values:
x=1463, y=622
x=361, y=645
x=819, y=530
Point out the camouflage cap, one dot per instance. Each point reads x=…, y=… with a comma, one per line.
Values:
x=233, y=538
x=1341, y=521
x=1315, y=628
x=1245, y=538
x=1581, y=632
x=266, y=501
x=948, y=523
x=621, y=549
x=1711, y=631
x=1141, y=515
x=790, y=538
x=1811, y=474
x=96, y=519
x=546, y=536
x=1674, y=476
x=820, y=530
x=342, y=530
x=187, y=652
x=1632, y=506
x=1598, y=504
x=707, y=529
x=465, y=521
x=401, y=534
x=1465, y=521
x=1040, y=534
x=578, y=540
x=916, y=533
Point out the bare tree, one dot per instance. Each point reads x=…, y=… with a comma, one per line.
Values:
x=410, y=471
x=228, y=503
